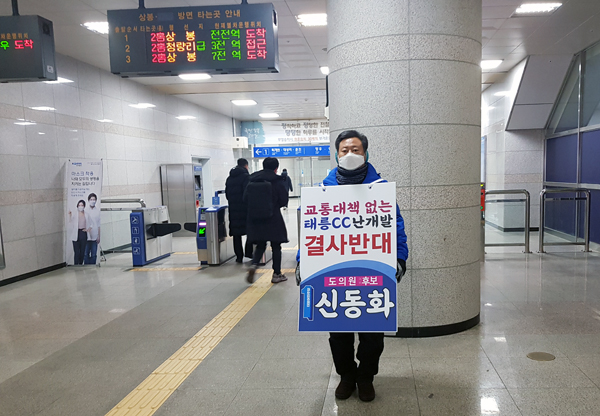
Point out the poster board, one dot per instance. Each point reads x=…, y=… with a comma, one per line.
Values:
x=348, y=257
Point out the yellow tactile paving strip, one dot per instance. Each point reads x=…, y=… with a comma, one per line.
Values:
x=163, y=269
x=185, y=252
x=147, y=398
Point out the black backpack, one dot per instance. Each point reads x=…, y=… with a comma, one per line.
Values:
x=260, y=200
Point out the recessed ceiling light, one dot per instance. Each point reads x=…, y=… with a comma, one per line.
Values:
x=324, y=70
x=43, y=108
x=537, y=8
x=23, y=122
x=491, y=64
x=185, y=118
x=41, y=133
x=194, y=77
x=59, y=80
x=104, y=120
x=142, y=105
x=502, y=93
x=243, y=102
x=268, y=115
x=318, y=19
x=97, y=27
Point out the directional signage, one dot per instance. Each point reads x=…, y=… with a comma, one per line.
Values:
x=291, y=151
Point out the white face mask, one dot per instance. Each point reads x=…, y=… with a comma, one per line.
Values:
x=351, y=161
x=80, y=209
x=92, y=203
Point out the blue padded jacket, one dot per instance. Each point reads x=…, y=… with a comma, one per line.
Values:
x=372, y=176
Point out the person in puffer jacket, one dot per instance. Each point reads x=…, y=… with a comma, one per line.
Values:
x=353, y=169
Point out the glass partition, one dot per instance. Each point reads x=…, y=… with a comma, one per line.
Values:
x=590, y=93
x=566, y=110
x=504, y=220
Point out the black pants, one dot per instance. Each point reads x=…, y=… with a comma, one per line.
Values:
x=261, y=246
x=370, y=347
x=79, y=247
x=238, y=250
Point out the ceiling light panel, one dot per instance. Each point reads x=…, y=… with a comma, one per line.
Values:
x=97, y=27
x=491, y=63
x=243, y=102
x=317, y=19
x=536, y=9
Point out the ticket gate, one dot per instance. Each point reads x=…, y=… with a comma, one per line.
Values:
x=213, y=243
x=151, y=238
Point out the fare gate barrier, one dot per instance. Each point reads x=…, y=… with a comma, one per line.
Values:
x=527, y=201
x=586, y=226
x=151, y=231
x=213, y=244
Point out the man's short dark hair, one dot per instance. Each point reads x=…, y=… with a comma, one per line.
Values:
x=270, y=163
x=92, y=195
x=242, y=162
x=348, y=134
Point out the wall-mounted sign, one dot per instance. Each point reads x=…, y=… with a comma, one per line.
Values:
x=281, y=132
x=238, y=38
x=290, y=151
x=26, y=49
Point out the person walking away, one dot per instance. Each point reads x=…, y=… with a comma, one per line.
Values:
x=93, y=237
x=288, y=184
x=266, y=195
x=238, y=209
x=353, y=169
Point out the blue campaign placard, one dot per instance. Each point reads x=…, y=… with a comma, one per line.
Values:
x=348, y=259
x=291, y=151
x=360, y=296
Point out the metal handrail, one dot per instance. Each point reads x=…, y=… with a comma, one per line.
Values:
x=122, y=201
x=527, y=216
x=2, y=256
x=586, y=226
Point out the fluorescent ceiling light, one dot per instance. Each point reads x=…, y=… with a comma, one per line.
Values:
x=97, y=27
x=194, y=77
x=23, y=122
x=491, y=64
x=60, y=80
x=537, y=8
x=324, y=70
x=185, y=118
x=104, y=120
x=142, y=105
x=243, y=102
x=43, y=108
x=502, y=93
x=41, y=133
x=268, y=115
x=318, y=19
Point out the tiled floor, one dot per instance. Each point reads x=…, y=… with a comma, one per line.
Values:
x=77, y=341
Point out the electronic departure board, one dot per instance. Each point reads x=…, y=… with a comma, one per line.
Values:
x=26, y=49
x=230, y=39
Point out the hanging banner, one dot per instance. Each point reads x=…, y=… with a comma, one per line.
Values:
x=82, y=220
x=286, y=132
x=348, y=259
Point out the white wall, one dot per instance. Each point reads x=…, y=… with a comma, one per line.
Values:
x=32, y=166
x=514, y=159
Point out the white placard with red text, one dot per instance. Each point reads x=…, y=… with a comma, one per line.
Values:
x=348, y=258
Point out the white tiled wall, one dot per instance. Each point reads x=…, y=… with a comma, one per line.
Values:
x=133, y=147
x=514, y=159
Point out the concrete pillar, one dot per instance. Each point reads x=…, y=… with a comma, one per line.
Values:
x=406, y=73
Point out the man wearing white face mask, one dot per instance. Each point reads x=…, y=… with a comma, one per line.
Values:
x=93, y=237
x=353, y=169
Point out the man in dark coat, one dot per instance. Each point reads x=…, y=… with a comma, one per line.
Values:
x=265, y=195
x=238, y=209
x=287, y=181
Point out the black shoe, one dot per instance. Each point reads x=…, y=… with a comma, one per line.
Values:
x=251, y=273
x=345, y=389
x=366, y=391
x=239, y=260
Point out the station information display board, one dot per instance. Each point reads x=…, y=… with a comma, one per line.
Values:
x=26, y=49
x=228, y=39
